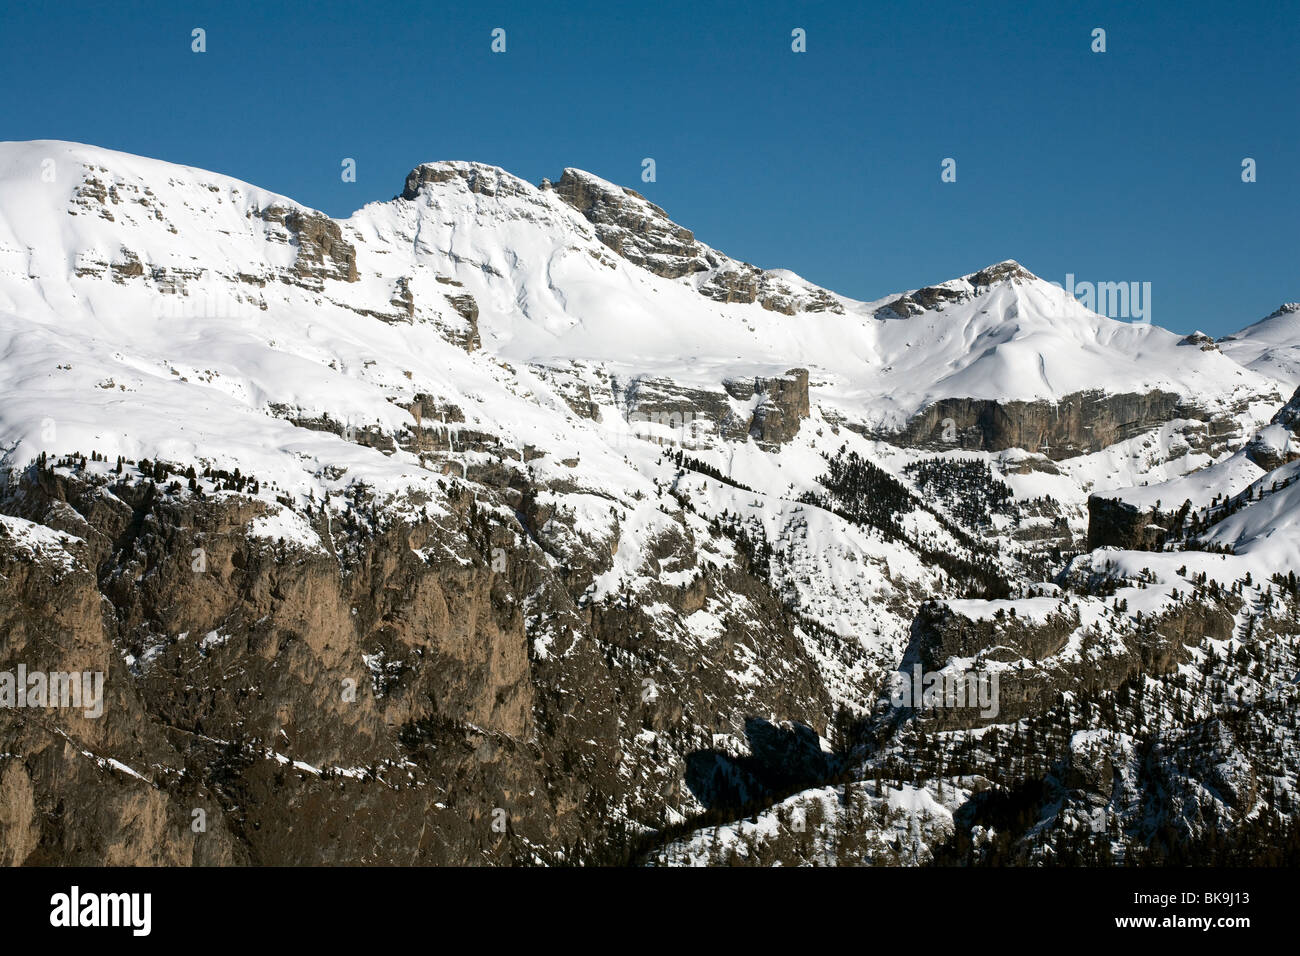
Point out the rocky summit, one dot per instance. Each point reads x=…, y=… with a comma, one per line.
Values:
x=512, y=524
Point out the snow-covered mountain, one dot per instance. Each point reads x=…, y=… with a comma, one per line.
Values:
x=610, y=532
x=187, y=286
x=1269, y=345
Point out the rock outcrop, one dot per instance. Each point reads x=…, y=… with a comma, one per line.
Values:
x=322, y=252
x=1278, y=443
x=1201, y=340
x=467, y=308
x=1118, y=524
x=1078, y=424
x=642, y=233
x=783, y=404
x=478, y=178
x=1036, y=647
x=954, y=292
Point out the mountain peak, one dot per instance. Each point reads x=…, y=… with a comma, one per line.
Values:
x=1271, y=345
x=1008, y=270
x=641, y=232
x=956, y=291
x=479, y=178
x=586, y=191
x=1278, y=318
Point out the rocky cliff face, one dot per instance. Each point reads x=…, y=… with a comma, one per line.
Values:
x=1079, y=424
x=1288, y=416
x=385, y=696
x=1044, y=662
x=782, y=405
x=322, y=252
x=1118, y=524
x=768, y=409
x=642, y=233
x=633, y=227
x=1279, y=443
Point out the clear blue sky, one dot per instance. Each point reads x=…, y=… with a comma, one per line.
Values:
x=1122, y=166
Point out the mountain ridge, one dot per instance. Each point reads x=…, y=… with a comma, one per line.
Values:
x=611, y=533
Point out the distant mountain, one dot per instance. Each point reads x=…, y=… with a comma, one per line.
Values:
x=1270, y=345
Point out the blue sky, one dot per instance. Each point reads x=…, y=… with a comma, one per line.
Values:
x=1115, y=166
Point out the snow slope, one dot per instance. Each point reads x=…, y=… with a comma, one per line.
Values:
x=1270, y=346
x=1270, y=526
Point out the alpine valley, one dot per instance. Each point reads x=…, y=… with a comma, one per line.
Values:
x=505, y=523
